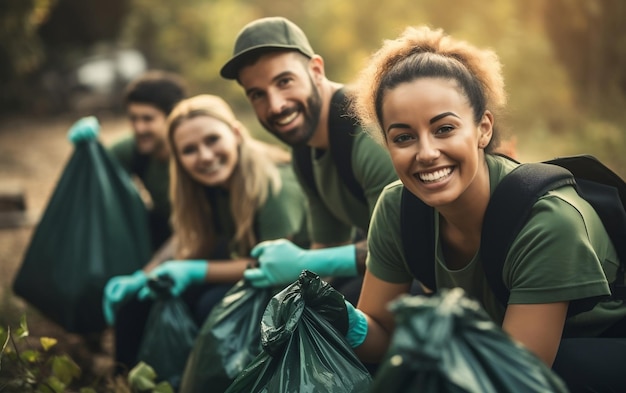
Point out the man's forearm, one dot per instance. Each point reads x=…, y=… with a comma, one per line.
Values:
x=360, y=248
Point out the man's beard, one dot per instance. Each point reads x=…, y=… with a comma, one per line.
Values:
x=302, y=134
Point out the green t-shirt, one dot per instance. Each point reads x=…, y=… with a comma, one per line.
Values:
x=334, y=213
x=562, y=253
x=283, y=215
x=155, y=179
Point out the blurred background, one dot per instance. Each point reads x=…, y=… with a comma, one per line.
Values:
x=564, y=60
x=564, y=64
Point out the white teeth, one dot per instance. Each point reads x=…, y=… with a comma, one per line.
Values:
x=288, y=119
x=435, y=176
x=211, y=169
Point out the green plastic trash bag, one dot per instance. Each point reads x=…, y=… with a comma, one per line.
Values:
x=93, y=228
x=304, y=348
x=447, y=343
x=228, y=341
x=169, y=333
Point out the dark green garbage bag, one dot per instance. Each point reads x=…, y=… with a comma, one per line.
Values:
x=93, y=228
x=447, y=343
x=169, y=333
x=304, y=349
x=229, y=339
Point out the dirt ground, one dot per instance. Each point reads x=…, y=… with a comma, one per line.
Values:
x=33, y=154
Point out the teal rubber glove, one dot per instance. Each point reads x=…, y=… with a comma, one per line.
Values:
x=118, y=290
x=183, y=273
x=357, y=326
x=281, y=262
x=84, y=129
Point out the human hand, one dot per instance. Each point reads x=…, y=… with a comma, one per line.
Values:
x=281, y=262
x=357, y=326
x=118, y=290
x=183, y=274
x=85, y=129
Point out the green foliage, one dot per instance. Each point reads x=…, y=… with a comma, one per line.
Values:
x=19, y=42
x=25, y=367
x=29, y=365
x=142, y=379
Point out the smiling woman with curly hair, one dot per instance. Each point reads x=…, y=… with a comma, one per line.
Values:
x=432, y=101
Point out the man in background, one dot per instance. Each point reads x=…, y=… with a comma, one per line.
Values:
x=144, y=153
x=286, y=84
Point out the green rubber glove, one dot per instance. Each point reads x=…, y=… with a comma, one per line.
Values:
x=118, y=290
x=183, y=273
x=84, y=129
x=357, y=326
x=281, y=262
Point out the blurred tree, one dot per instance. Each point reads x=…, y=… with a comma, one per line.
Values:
x=563, y=60
x=589, y=39
x=40, y=42
x=169, y=34
x=20, y=45
x=81, y=23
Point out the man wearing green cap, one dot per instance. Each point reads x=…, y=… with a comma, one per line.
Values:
x=286, y=84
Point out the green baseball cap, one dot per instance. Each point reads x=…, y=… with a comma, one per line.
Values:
x=265, y=34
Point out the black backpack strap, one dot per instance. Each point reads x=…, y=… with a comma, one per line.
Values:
x=301, y=156
x=606, y=202
x=417, y=223
x=341, y=131
x=508, y=210
x=606, y=193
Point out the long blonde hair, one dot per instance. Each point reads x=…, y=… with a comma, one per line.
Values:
x=255, y=174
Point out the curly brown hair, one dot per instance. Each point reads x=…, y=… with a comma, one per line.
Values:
x=422, y=52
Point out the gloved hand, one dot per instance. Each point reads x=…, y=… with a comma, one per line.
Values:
x=357, y=326
x=119, y=289
x=84, y=129
x=183, y=273
x=281, y=262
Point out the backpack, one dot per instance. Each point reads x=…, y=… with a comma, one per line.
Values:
x=341, y=130
x=602, y=188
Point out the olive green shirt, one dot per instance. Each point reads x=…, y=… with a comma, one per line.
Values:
x=155, y=179
x=335, y=213
x=283, y=215
x=562, y=253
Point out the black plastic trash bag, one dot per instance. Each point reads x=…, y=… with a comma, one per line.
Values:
x=169, y=333
x=304, y=349
x=93, y=228
x=228, y=341
x=447, y=343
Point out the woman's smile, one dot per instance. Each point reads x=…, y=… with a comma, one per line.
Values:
x=435, y=176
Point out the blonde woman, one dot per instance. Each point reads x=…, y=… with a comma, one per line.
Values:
x=229, y=191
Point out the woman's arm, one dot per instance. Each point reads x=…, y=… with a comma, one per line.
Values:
x=220, y=271
x=538, y=326
x=373, y=301
x=165, y=253
x=227, y=271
